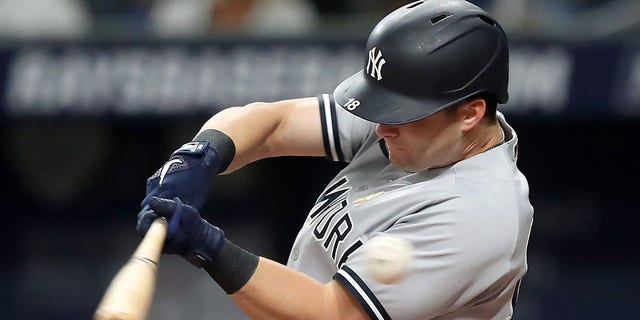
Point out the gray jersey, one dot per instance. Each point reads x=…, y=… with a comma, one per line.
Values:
x=468, y=223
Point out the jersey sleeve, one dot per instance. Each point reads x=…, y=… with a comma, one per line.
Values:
x=343, y=133
x=449, y=269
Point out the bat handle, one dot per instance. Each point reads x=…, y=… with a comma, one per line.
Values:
x=151, y=245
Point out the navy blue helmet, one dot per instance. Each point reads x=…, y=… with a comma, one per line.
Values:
x=424, y=57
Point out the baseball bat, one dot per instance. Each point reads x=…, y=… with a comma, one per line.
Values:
x=130, y=293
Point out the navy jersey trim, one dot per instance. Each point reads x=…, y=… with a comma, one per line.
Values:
x=361, y=292
x=323, y=122
x=336, y=133
x=330, y=132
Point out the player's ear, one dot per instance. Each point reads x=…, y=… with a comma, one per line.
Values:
x=471, y=113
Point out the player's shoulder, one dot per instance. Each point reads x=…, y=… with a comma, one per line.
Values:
x=457, y=189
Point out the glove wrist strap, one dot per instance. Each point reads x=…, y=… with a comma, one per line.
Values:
x=233, y=267
x=221, y=143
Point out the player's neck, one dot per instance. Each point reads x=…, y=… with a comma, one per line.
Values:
x=486, y=137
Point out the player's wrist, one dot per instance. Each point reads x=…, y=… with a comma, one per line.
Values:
x=233, y=267
x=206, y=245
x=222, y=145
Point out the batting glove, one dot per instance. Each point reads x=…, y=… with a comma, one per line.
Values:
x=187, y=174
x=188, y=234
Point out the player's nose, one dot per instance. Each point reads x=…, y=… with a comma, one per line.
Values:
x=386, y=131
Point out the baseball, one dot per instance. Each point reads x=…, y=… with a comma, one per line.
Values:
x=388, y=258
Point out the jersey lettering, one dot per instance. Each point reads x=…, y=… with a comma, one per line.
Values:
x=339, y=232
x=323, y=224
x=330, y=197
x=329, y=208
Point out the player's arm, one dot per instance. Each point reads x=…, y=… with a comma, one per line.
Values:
x=278, y=292
x=233, y=138
x=261, y=130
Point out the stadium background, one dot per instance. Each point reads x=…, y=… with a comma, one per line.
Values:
x=94, y=95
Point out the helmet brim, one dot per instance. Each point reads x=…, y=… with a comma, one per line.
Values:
x=379, y=105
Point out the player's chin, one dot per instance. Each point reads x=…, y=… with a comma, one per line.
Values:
x=402, y=163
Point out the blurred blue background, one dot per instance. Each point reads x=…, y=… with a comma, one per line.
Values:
x=95, y=94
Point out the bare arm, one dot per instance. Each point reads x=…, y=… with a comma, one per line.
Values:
x=261, y=130
x=277, y=292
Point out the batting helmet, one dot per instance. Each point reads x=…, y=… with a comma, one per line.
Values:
x=425, y=57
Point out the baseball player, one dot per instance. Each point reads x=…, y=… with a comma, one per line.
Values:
x=430, y=161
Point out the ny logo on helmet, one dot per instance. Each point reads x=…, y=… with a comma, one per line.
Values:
x=374, y=66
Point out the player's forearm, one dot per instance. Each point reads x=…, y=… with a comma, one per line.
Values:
x=277, y=292
x=249, y=127
x=262, y=130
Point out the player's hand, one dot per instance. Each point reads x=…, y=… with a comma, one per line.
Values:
x=188, y=234
x=187, y=174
